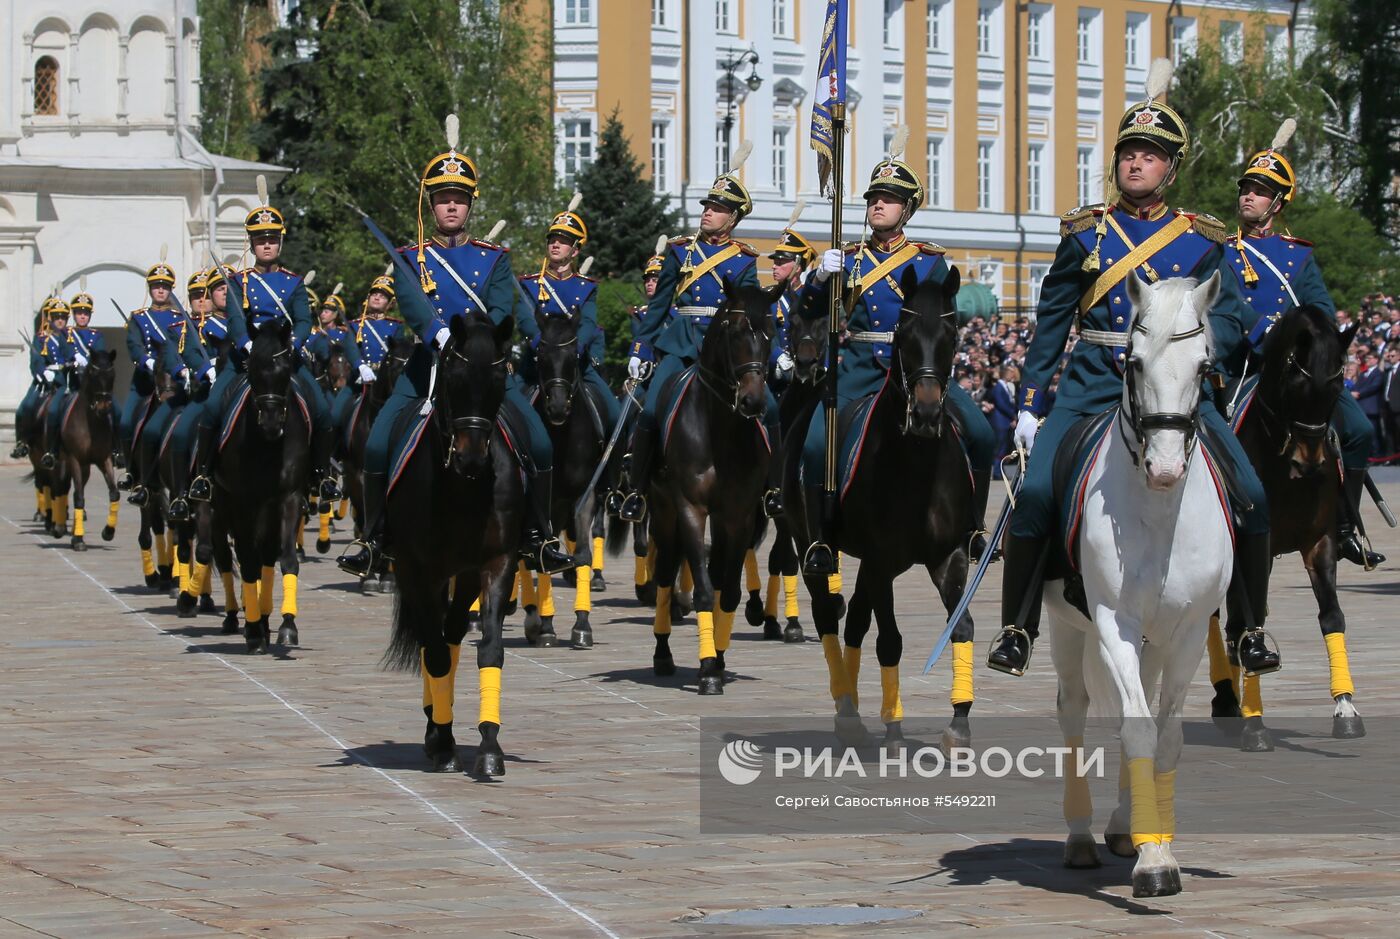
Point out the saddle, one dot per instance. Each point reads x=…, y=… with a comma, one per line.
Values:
x=674, y=393
x=412, y=423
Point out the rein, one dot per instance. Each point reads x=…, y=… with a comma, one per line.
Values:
x=1299, y=430
x=1139, y=423
x=468, y=423
x=726, y=389
x=570, y=386
x=909, y=381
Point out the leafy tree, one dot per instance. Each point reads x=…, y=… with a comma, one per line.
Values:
x=623, y=211
x=230, y=42
x=616, y=298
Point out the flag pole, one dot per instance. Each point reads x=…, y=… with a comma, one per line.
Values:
x=829, y=396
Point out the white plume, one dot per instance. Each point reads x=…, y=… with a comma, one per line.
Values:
x=897, y=142
x=389, y=269
x=338, y=285
x=740, y=155
x=496, y=230
x=1159, y=78
x=574, y=202
x=164, y=252
x=262, y=190
x=82, y=283
x=310, y=278
x=796, y=211
x=660, y=244
x=454, y=131
x=586, y=266
x=1284, y=134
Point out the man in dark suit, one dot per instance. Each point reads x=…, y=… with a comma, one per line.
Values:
x=1002, y=415
x=1390, y=398
x=1370, y=384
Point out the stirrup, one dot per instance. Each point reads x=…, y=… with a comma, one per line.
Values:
x=613, y=503
x=48, y=461
x=977, y=545
x=546, y=556
x=819, y=560
x=634, y=508
x=1010, y=632
x=351, y=564
x=773, y=503
x=1270, y=648
x=126, y=482
x=201, y=490
x=20, y=451
x=329, y=491
x=179, y=509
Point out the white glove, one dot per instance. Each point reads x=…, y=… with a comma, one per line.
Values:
x=50, y=375
x=784, y=364
x=831, y=263
x=634, y=368
x=366, y=373
x=80, y=360
x=248, y=345
x=443, y=337
x=209, y=374
x=150, y=364
x=1026, y=427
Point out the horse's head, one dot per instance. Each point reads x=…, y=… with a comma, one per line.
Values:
x=164, y=382
x=338, y=367
x=471, y=386
x=556, y=358
x=98, y=379
x=808, y=332
x=734, y=355
x=394, y=362
x=270, y=367
x=924, y=343
x=1170, y=348
x=1300, y=382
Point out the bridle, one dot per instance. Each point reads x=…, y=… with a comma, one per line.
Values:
x=98, y=397
x=451, y=425
x=910, y=380
x=1139, y=423
x=726, y=389
x=272, y=400
x=570, y=385
x=1293, y=430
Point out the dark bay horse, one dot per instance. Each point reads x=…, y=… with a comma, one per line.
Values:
x=156, y=544
x=372, y=398
x=262, y=474
x=1284, y=429
x=712, y=468
x=907, y=502
x=456, y=511
x=88, y=440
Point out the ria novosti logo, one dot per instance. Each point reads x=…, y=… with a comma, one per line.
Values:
x=740, y=762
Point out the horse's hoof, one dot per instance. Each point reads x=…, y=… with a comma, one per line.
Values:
x=79, y=544
x=108, y=533
x=60, y=531
x=287, y=634
x=1255, y=737
x=711, y=684
x=301, y=554
x=447, y=761
x=771, y=628
x=850, y=730
x=1155, y=883
x=1119, y=844
x=597, y=584
x=489, y=763
x=954, y=737
x=323, y=545
x=753, y=609
x=256, y=643
x=229, y=626
x=173, y=593
x=663, y=665
x=646, y=593
x=207, y=604
x=386, y=583
x=792, y=632
x=152, y=581
x=1347, y=727
x=894, y=736
x=186, y=606
x=582, y=637
x=1081, y=853
x=543, y=635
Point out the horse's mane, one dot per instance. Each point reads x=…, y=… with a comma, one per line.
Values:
x=1174, y=294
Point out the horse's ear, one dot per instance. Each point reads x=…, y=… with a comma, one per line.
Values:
x=951, y=284
x=1205, y=296
x=909, y=281
x=1347, y=335
x=1137, y=291
x=284, y=329
x=503, y=332
x=457, y=325
x=773, y=294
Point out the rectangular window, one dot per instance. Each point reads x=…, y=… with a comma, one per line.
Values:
x=1085, y=30
x=578, y=12
x=1035, y=178
x=1276, y=41
x=1133, y=38
x=724, y=22
x=658, y=12
x=1037, y=278
x=1035, y=22
x=1183, y=37
x=1084, y=173
x=938, y=11
x=782, y=19
x=985, y=149
x=578, y=148
x=721, y=150
x=1232, y=41
x=935, y=171
x=984, y=30
x=781, y=158
x=658, y=156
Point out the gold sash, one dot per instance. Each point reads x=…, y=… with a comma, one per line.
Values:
x=1114, y=275
x=707, y=265
x=879, y=272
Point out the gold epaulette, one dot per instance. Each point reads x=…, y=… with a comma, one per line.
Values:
x=1294, y=239
x=1207, y=225
x=745, y=247
x=851, y=247
x=679, y=240
x=1080, y=219
x=483, y=243
x=928, y=247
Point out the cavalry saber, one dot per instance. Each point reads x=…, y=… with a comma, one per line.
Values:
x=607, y=451
x=982, y=564
x=122, y=313
x=407, y=270
x=1380, y=501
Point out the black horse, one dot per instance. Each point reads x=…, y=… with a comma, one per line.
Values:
x=456, y=511
x=157, y=545
x=713, y=468
x=1284, y=429
x=88, y=438
x=908, y=502
x=259, y=485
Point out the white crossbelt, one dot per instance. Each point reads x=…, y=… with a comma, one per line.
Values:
x=1103, y=337
x=871, y=337
x=1262, y=259
x=696, y=310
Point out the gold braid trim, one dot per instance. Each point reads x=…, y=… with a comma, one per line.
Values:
x=1251, y=276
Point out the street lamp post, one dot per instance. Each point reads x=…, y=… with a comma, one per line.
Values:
x=732, y=64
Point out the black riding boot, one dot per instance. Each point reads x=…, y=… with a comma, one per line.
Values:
x=361, y=558
x=540, y=549
x=322, y=440
x=981, y=485
x=773, y=496
x=1249, y=586
x=201, y=487
x=1022, y=585
x=634, y=506
x=144, y=457
x=819, y=559
x=1350, y=543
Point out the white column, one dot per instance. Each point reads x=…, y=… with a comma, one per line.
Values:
x=71, y=92
x=869, y=137
x=123, y=86
x=700, y=98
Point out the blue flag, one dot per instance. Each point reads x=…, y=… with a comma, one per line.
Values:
x=831, y=86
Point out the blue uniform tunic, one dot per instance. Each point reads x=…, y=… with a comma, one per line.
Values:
x=1271, y=296
x=146, y=334
x=213, y=349
x=565, y=297
x=374, y=335
x=47, y=351
x=783, y=312
x=864, y=361
x=1092, y=381
x=82, y=341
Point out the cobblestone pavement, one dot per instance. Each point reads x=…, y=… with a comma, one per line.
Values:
x=159, y=782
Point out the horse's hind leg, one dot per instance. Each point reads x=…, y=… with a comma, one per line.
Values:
x=827, y=609
x=644, y=561
x=858, y=618
x=727, y=564
x=146, y=542
x=782, y=569
x=581, y=637
x=1224, y=678
x=424, y=604
x=490, y=657
x=665, y=565
x=950, y=579
x=109, y=476
x=1321, y=563
x=889, y=649
x=78, y=472
x=291, y=569
x=1071, y=709
x=690, y=534
x=753, y=607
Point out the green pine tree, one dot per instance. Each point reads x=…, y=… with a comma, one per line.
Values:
x=623, y=212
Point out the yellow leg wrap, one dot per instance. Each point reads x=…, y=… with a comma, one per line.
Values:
x=1337, y=660
x=455, y=653
x=527, y=586
x=1215, y=647
x=323, y=530
x=40, y=502
x=640, y=573
x=199, y=580
x=770, y=600
x=148, y=562
x=186, y=574
x=79, y=518
x=441, y=689
x=752, y=581
x=597, y=564
x=476, y=604
x=790, y=595
x=289, y=594
x=962, y=673
x=48, y=498
x=687, y=583
x=489, y=682
x=706, y=621
x=1251, y=702
x=342, y=509
x=891, y=709
x=230, y=598
x=1078, y=803
x=1166, y=803
x=158, y=549
x=850, y=656
x=661, y=623
x=833, y=581
x=112, y=514
x=1146, y=823
x=427, y=681
x=724, y=628
x=835, y=666
x=545, y=590
x=250, y=599
x=583, y=588
x=265, y=592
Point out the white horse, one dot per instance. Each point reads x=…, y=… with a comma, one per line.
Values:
x=1155, y=553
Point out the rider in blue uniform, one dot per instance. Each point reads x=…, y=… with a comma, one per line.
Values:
x=375, y=330
x=1136, y=234
x=330, y=332
x=559, y=290
x=47, y=366
x=690, y=289
x=29, y=405
x=81, y=342
x=267, y=293
x=146, y=333
x=213, y=349
x=456, y=274
x=790, y=259
x=1278, y=272
x=873, y=269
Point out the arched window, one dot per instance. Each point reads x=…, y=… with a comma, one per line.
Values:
x=46, y=86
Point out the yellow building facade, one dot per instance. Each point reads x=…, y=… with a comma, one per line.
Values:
x=1008, y=104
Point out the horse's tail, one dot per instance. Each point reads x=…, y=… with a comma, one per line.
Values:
x=618, y=533
x=27, y=477
x=403, y=652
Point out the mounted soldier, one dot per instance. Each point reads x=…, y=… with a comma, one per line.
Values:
x=213, y=351
x=694, y=281
x=457, y=274
x=791, y=258
x=375, y=329
x=332, y=332
x=146, y=333
x=81, y=341
x=1278, y=272
x=1134, y=235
